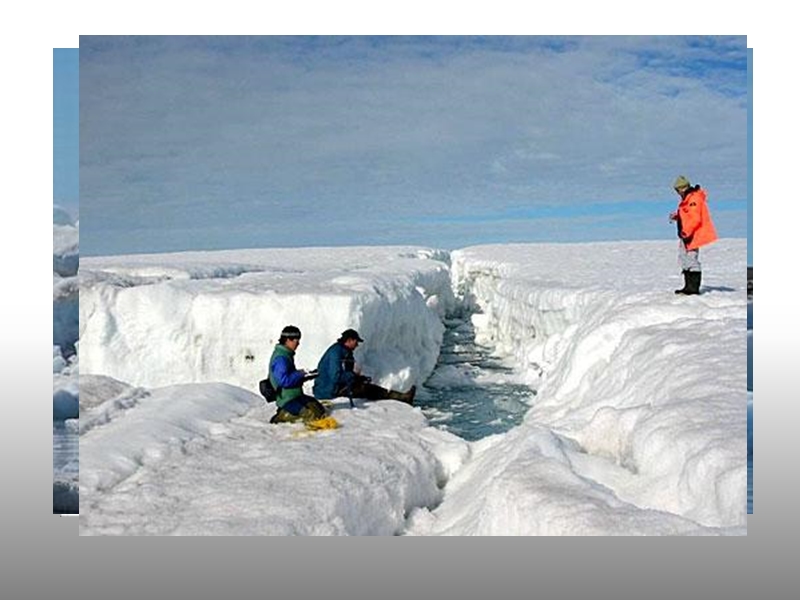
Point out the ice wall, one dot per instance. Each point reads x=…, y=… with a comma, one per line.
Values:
x=156, y=320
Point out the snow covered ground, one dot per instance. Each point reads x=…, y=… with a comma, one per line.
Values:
x=638, y=425
x=65, y=362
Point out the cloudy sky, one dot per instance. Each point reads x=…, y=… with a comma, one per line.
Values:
x=213, y=142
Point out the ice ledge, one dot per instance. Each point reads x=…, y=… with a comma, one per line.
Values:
x=155, y=320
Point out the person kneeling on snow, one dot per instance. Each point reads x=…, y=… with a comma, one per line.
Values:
x=338, y=377
x=293, y=404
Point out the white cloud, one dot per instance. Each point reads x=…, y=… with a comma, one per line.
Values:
x=209, y=132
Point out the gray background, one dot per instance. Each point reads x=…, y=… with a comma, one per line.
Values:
x=63, y=565
x=43, y=557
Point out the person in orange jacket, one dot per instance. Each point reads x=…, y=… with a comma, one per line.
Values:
x=695, y=229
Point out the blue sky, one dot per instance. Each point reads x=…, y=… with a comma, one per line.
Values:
x=65, y=128
x=192, y=143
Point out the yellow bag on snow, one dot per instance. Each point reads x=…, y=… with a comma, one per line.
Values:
x=323, y=423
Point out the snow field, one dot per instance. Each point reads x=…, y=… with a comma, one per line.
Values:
x=638, y=426
x=186, y=469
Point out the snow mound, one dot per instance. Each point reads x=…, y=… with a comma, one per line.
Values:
x=239, y=475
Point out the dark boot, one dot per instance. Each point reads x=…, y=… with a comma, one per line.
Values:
x=407, y=397
x=284, y=416
x=685, y=288
x=691, y=285
x=311, y=411
x=694, y=282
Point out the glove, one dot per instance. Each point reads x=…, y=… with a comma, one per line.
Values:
x=310, y=375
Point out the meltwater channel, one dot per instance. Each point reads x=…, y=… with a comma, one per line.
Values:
x=468, y=393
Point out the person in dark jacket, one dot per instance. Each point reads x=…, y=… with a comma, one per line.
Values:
x=337, y=375
x=293, y=404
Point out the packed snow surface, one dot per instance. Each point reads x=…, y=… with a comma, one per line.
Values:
x=638, y=424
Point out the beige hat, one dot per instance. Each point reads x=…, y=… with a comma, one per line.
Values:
x=681, y=183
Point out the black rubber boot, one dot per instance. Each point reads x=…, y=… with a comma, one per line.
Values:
x=691, y=285
x=407, y=397
x=685, y=288
x=694, y=282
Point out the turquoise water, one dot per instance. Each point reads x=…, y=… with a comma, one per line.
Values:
x=468, y=393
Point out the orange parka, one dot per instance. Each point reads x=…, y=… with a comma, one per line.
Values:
x=694, y=220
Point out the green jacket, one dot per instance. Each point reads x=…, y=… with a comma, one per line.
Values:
x=284, y=376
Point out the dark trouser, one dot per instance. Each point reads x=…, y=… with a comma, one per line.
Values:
x=303, y=408
x=362, y=389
